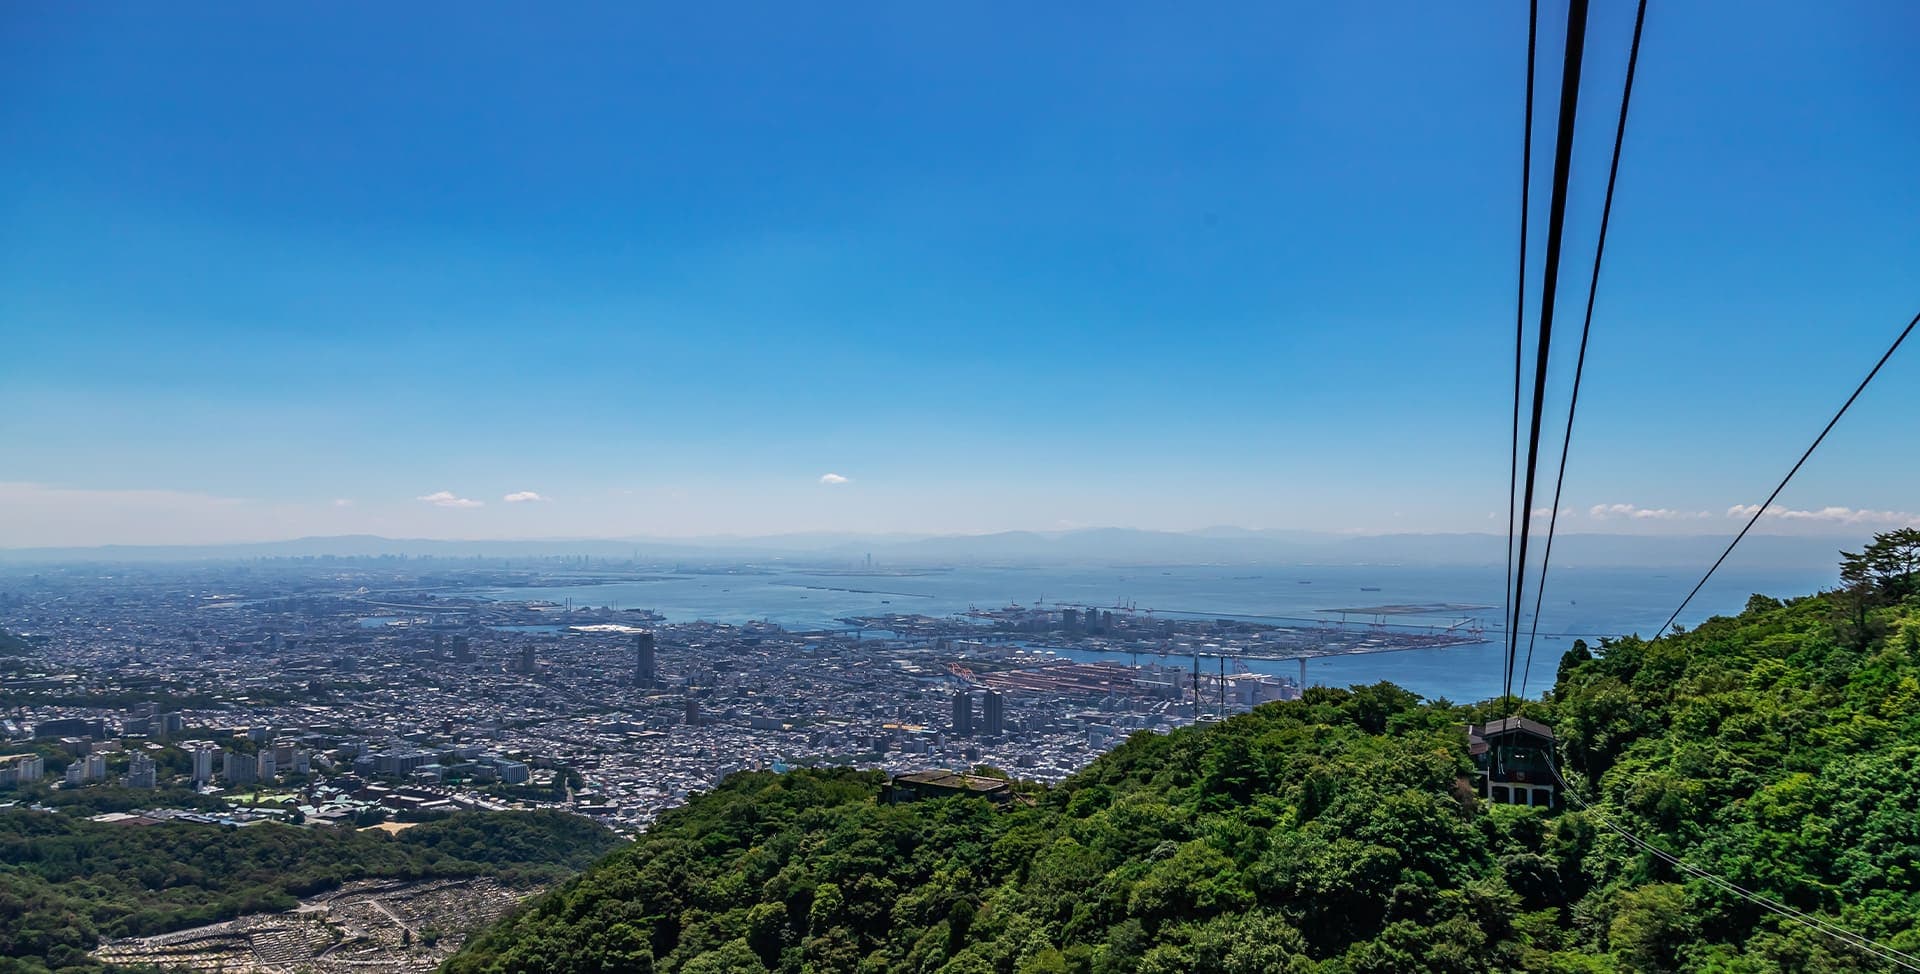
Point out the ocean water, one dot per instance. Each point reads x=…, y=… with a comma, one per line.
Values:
x=1578, y=603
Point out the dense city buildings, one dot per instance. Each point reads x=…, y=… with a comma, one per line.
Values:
x=322, y=690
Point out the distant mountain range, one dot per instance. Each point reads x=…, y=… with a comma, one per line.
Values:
x=1091, y=545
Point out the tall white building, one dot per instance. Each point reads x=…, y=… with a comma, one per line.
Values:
x=91, y=768
x=20, y=769
x=238, y=768
x=141, y=772
x=202, y=764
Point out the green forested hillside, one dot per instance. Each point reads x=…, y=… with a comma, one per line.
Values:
x=66, y=882
x=1779, y=749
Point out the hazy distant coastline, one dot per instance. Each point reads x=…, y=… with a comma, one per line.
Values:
x=1009, y=548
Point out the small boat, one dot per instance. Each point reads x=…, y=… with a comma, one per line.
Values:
x=1369, y=588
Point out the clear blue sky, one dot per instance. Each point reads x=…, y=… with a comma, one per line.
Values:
x=270, y=270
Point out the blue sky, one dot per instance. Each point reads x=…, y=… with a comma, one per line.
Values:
x=269, y=271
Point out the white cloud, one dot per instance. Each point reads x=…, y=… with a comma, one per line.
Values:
x=343, y=502
x=1835, y=515
x=1638, y=513
x=447, y=498
x=832, y=479
x=522, y=496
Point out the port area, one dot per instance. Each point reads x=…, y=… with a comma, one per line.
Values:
x=1141, y=634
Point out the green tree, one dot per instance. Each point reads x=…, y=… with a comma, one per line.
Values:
x=732, y=957
x=1650, y=927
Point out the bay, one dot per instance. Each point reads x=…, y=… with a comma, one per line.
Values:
x=1578, y=603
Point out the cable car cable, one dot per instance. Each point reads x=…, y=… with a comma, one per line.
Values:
x=1556, y=223
x=1762, y=509
x=1520, y=313
x=1586, y=328
x=1840, y=934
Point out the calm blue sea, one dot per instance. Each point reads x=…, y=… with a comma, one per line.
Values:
x=1583, y=602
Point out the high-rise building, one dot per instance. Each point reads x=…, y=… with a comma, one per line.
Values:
x=93, y=767
x=141, y=772
x=238, y=769
x=643, y=672
x=202, y=764
x=462, y=650
x=963, y=714
x=693, y=711
x=268, y=767
x=21, y=769
x=993, y=717
x=527, y=664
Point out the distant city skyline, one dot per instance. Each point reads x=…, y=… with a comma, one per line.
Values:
x=603, y=272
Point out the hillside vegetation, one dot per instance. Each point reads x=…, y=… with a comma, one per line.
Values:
x=1779, y=749
x=67, y=882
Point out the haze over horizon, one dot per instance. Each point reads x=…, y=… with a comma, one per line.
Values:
x=1772, y=561
x=280, y=272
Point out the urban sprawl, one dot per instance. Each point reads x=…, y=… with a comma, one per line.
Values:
x=323, y=691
